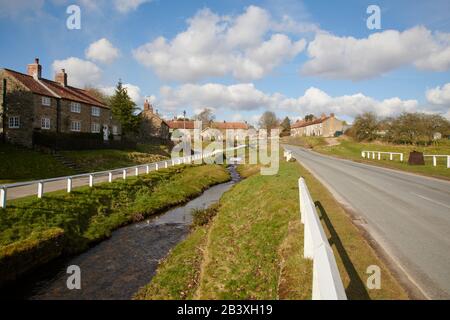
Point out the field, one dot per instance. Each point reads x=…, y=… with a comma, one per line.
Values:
x=350, y=149
x=252, y=248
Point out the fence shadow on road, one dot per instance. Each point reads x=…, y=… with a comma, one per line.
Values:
x=356, y=289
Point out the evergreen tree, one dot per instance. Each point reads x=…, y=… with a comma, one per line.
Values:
x=286, y=127
x=123, y=109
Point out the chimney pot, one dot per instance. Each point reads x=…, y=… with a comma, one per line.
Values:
x=61, y=77
x=35, y=69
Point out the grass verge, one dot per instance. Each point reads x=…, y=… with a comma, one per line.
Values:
x=88, y=215
x=253, y=248
x=20, y=164
x=350, y=149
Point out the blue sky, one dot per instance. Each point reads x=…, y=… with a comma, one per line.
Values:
x=243, y=57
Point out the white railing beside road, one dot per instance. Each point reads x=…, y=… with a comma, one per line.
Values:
x=327, y=283
x=435, y=156
x=109, y=173
x=371, y=154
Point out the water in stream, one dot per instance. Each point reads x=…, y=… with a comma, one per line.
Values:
x=117, y=267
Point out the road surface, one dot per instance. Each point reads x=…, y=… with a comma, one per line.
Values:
x=408, y=215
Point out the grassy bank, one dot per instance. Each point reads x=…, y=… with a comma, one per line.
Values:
x=350, y=149
x=88, y=215
x=252, y=249
x=20, y=164
x=98, y=160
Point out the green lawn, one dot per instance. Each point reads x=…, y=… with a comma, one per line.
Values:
x=350, y=149
x=98, y=160
x=20, y=164
x=252, y=249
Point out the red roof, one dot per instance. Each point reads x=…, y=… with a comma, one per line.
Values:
x=54, y=89
x=180, y=124
x=302, y=123
x=229, y=125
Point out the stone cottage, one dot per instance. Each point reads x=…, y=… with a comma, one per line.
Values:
x=152, y=125
x=31, y=103
x=325, y=126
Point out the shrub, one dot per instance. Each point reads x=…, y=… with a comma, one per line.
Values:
x=202, y=217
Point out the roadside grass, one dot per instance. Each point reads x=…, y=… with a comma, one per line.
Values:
x=98, y=160
x=350, y=149
x=20, y=164
x=253, y=248
x=306, y=142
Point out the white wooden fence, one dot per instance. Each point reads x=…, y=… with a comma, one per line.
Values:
x=371, y=154
x=124, y=173
x=327, y=283
x=287, y=154
x=435, y=156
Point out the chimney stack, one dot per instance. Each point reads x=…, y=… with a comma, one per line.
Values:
x=61, y=77
x=148, y=106
x=332, y=115
x=35, y=69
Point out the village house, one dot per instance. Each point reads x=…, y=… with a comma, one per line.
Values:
x=31, y=103
x=325, y=126
x=152, y=125
x=218, y=130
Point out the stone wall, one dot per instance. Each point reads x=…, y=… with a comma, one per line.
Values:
x=19, y=103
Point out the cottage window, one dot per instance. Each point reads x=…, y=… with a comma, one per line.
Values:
x=95, y=127
x=75, y=126
x=75, y=107
x=46, y=101
x=95, y=111
x=115, y=130
x=45, y=123
x=14, y=122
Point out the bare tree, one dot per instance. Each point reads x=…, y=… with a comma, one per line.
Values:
x=206, y=116
x=268, y=121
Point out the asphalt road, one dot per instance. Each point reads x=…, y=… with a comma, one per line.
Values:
x=408, y=215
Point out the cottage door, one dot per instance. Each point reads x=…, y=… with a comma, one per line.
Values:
x=105, y=132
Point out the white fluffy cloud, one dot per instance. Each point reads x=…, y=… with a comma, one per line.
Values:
x=133, y=91
x=439, y=96
x=102, y=51
x=80, y=72
x=350, y=58
x=245, y=97
x=243, y=46
x=125, y=6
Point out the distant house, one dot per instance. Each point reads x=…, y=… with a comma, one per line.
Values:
x=183, y=126
x=218, y=130
x=152, y=125
x=325, y=126
x=31, y=103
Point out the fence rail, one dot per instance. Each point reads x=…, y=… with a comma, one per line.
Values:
x=435, y=156
x=327, y=283
x=368, y=154
x=123, y=173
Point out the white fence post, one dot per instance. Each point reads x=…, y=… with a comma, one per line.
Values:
x=69, y=185
x=434, y=161
x=165, y=164
x=391, y=156
x=156, y=167
x=110, y=177
x=124, y=174
x=379, y=155
x=40, y=189
x=3, y=192
x=448, y=161
x=401, y=157
x=91, y=180
x=363, y=154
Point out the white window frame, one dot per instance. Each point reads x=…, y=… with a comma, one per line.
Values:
x=95, y=127
x=75, y=107
x=95, y=111
x=115, y=130
x=75, y=126
x=46, y=101
x=15, y=122
x=45, y=123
